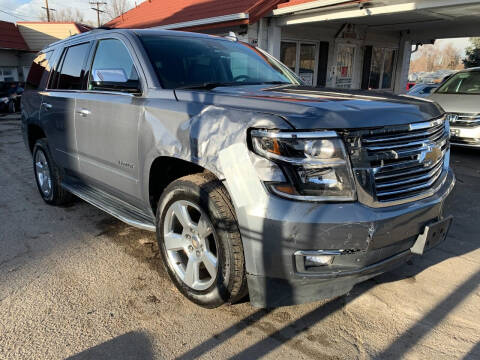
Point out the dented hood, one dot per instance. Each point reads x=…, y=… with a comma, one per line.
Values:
x=313, y=108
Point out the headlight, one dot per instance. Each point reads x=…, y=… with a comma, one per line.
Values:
x=315, y=163
x=4, y=99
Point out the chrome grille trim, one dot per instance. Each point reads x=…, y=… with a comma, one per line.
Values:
x=430, y=174
x=467, y=120
x=398, y=164
x=414, y=170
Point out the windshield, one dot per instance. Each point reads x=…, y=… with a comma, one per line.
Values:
x=183, y=61
x=467, y=82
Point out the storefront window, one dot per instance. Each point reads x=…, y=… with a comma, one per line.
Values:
x=8, y=74
x=388, y=69
x=301, y=58
x=307, y=63
x=288, y=54
x=381, y=70
x=376, y=68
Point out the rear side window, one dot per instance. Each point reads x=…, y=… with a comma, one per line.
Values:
x=113, y=59
x=69, y=75
x=39, y=71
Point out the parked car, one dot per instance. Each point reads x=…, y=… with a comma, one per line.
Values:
x=422, y=90
x=410, y=84
x=251, y=180
x=459, y=95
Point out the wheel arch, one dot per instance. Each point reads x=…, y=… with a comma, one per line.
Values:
x=166, y=169
x=34, y=133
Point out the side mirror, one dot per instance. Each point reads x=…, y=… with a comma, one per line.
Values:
x=113, y=80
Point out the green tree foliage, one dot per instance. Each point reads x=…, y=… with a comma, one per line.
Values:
x=472, y=54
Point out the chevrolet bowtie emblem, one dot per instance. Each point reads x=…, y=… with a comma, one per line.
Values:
x=431, y=155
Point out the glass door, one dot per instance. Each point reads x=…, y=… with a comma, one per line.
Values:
x=382, y=69
x=344, y=66
x=301, y=57
x=307, y=63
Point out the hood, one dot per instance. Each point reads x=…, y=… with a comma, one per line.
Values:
x=313, y=108
x=458, y=103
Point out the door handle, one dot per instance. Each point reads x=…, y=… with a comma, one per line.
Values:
x=47, y=105
x=84, y=112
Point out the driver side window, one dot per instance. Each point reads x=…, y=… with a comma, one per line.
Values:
x=112, y=65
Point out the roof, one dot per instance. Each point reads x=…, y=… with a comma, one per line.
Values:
x=10, y=37
x=184, y=13
x=80, y=27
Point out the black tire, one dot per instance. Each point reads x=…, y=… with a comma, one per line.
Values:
x=58, y=195
x=208, y=193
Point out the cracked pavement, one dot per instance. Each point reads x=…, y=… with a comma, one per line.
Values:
x=75, y=282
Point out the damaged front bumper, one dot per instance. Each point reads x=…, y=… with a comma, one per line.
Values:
x=364, y=241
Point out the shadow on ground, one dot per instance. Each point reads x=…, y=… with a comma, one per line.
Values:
x=130, y=346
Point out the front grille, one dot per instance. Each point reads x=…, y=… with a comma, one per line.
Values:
x=465, y=120
x=399, y=163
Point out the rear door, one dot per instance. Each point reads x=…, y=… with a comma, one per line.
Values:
x=106, y=120
x=57, y=111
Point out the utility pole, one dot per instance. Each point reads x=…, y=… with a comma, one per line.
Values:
x=48, y=9
x=97, y=9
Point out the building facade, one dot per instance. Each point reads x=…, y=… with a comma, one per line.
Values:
x=20, y=42
x=334, y=43
x=15, y=56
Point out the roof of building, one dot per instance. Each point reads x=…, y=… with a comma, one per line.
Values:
x=184, y=12
x=10, y=37
x=80, y=27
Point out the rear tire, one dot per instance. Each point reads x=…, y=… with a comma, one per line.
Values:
x=48, y=176
x=202, y=202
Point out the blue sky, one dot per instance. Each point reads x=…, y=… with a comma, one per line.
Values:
x=30, y=10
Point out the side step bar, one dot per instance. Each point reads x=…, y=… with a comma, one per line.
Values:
x=111, y=205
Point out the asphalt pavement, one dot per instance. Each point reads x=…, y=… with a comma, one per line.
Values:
x=77, y=283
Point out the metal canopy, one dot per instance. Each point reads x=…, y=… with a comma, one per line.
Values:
x=423, y=19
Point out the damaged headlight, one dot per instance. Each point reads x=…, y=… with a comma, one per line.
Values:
x=315, y=163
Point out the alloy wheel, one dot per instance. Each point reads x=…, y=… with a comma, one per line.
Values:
x=191, y=244
x=42, y=172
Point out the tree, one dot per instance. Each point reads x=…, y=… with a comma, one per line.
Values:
x=118, y=7
x=434, y=57
x=472, y=54
x=67, y=15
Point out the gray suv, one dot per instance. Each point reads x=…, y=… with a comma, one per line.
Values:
x=253, y=182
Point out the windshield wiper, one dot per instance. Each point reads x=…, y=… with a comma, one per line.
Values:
x=205, y=85
x=277, y=82
x=212, y=85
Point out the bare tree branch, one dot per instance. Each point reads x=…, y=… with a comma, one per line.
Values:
x=118, y=7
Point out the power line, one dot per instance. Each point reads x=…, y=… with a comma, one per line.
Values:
x=97, y=9
x=15, y=11
x=12, y=14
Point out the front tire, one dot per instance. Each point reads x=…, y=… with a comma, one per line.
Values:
x=200, y=241
x=48, y=175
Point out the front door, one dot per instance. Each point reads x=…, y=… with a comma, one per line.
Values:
x=106, y=124
x=344, y=66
